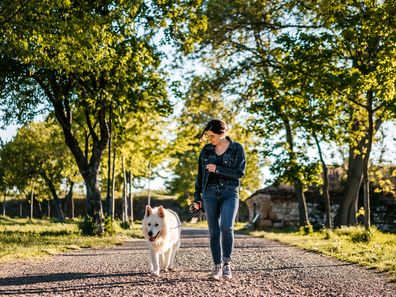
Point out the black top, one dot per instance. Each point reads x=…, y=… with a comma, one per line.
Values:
x=229, y=172
x=213, y=176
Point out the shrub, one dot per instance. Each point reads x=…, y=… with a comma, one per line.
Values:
x=86, y=226
x=307, y=229
x=328, y=234
x=125, y=225
x=109, y=226
x=364, y=236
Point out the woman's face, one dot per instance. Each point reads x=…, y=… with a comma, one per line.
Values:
x=214, y=138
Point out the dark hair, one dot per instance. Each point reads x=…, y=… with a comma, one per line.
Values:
x=216, y=126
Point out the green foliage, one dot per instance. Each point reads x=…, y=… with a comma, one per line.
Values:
x=328, y=234
x=321, y=71
x=38, y=152
x=306, y=230
x=79, y=60
x=87, y=226
x=109, y=226
x=125, y=225
x=143, y=142
x=364, y=236
x=203, y=103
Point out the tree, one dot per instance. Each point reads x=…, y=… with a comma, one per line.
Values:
x=248, y=55
x=38, y=150
x=141, y=140
x=318, y=110
x=364, y=35
x=238, y=43
x=203, y=103
x=72, y=57
x=3, y=178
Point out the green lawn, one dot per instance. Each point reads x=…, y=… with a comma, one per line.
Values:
x=23, y=238
x=353, y=244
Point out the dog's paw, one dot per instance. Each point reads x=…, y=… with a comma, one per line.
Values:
x=155, y=273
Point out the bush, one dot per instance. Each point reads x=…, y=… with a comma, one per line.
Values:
x=109, y=226
x=328, y=234
x=307, y=229
x=125, y=225
x=364, y=236
x=86, y=226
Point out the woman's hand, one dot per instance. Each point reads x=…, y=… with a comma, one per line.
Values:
x=211, y=167
x=196, y=205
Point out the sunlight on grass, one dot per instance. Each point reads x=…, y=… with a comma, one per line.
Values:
x=24, y=238
x=352, y=244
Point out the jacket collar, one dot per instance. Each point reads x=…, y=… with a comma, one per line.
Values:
x=232, y=144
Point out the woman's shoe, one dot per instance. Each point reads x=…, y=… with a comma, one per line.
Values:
x=227, y=271
x=217, y=272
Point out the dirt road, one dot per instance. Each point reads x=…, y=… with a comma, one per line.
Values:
x=261, y=268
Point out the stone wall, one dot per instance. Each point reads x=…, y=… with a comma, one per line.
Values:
x=279, y=208
x=275, y=211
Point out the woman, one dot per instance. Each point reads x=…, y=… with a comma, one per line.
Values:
x=221, y=164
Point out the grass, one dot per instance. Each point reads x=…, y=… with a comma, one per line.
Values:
x=374, y=249
x=24, y=238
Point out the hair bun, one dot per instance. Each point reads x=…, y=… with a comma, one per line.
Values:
x=216, y=126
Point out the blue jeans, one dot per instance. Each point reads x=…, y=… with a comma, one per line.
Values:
x=221, y=206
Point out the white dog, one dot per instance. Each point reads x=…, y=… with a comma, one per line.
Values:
x=161, y=228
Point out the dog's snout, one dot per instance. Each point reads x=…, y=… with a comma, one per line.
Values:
x=150, y=233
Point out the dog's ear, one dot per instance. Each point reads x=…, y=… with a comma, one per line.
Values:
x=149, y=210
x=161, y=211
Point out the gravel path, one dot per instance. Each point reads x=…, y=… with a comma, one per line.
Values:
x=261, y=268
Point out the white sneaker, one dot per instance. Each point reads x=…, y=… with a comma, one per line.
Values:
x=227, y=271
x=217, y=272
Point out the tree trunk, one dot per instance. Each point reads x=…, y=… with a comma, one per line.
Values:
x=302, y=205
x=88, y=164
x=326, y=196
x=48, y=208
x=4, y=204
x=69, y=200
x=325, y=187
x=58, y=209
x=95, y=209
x=72, y=206
x=32, y=200
x=366, y=181
x=346, y=215
x=124, y=196
x=367, y=209
x=113, y=185
x=109, y=203
x=148, y=186
x=40, y=209
x=130, y=196
x=298, y=186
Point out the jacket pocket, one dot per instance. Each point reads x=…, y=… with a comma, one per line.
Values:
x=229, y=161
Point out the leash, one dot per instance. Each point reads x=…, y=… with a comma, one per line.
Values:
x=194, y=213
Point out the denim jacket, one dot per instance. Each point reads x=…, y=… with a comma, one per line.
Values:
x=232, y=169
